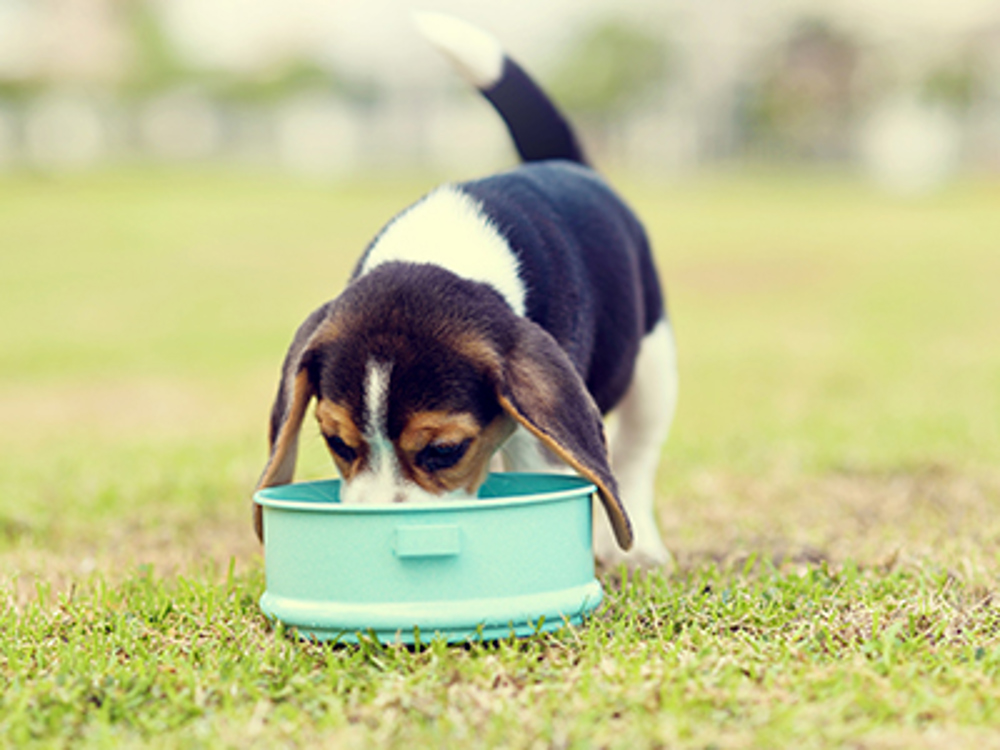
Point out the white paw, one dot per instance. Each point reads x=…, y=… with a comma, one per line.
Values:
x=648, y=551
x=650, y=557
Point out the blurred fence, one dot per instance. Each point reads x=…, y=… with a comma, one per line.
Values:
x=807, y=91
x=901, y=139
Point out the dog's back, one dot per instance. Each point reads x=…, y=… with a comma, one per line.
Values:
x=585, y=261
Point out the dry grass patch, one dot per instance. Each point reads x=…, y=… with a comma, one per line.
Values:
x=933, y=514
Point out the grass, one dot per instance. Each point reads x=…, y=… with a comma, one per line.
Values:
x=830, y=490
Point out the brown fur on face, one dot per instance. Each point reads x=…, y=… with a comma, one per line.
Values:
x=422, y=429
x=335, y=421
x=427, y=428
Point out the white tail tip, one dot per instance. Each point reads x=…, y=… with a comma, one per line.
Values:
x=475, y=53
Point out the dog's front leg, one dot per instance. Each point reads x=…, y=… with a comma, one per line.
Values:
x=643, y=421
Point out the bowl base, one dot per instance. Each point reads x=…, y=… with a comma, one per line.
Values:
x=421, y=622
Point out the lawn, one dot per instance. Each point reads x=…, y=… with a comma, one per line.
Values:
x=830, y=490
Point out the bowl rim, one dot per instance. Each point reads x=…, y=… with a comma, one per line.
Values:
x=264, y=497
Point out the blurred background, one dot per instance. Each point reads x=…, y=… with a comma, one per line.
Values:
x=907, y=93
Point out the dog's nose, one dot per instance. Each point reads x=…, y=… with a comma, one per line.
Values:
x=399, y=497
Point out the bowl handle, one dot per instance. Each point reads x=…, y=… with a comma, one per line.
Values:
x=428, y=541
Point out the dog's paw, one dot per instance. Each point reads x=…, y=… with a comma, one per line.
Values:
x=647, y=557
x=647, y=553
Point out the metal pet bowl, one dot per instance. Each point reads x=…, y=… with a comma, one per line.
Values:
x=515, y=561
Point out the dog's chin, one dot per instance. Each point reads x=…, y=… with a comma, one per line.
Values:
x=361, y=492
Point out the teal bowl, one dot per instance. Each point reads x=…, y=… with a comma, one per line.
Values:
x=517, y=560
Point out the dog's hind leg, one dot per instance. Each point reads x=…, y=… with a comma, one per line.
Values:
x=643, y=419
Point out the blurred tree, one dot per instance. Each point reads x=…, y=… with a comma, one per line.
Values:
x=803, y=101
x=956, y=83
x=292, y=76
x=156, y=66
x=610, y=66
x=21, y=89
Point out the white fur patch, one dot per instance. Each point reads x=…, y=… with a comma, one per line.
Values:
x=377, y=400
x=475, y=53
x=381, y=481
x=449, y=229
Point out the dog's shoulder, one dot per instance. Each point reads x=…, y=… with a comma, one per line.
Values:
x=560, y=212
x=449, y=229
x=527, y=232
x=581, y=251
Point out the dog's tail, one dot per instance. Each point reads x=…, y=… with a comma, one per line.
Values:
x=539, y=130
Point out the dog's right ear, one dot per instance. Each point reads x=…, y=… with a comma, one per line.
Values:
x=295, y=391
x=543, y=392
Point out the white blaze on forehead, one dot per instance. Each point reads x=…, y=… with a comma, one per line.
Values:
x=377, y=401
x=449, y=229
x=381, y=479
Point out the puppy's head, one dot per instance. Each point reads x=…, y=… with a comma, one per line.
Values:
x=419, y=377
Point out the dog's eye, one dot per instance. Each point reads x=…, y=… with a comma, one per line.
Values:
x=437, y=457
x=342, y=449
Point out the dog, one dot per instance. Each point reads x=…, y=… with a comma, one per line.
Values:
x=492, y=325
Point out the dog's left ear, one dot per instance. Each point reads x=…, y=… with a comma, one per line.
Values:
x=542, y=391
x=295, y=391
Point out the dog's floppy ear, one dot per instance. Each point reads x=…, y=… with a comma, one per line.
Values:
x=542, y=391
x=295, y=391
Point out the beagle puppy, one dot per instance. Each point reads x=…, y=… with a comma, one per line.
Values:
x=493, y=324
